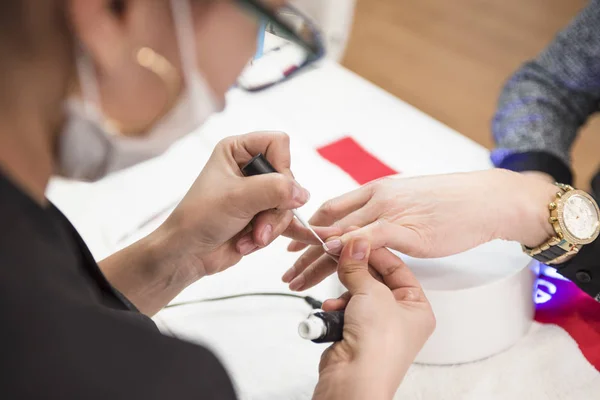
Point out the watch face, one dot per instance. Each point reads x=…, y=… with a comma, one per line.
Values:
x=580, y=217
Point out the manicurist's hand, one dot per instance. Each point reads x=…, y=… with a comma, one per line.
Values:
x=226, y=215
x=386, y=324
x=431, y=216
x=223, y=217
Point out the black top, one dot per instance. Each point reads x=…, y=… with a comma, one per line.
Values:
x=584, y=268
x=67, y=334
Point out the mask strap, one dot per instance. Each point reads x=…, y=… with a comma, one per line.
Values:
x=186, y=40
x=88, y=84
x=90, y=92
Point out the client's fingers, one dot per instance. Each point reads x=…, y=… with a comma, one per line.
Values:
x=299, y=233
x=381, y=233
x=315, y=273
x=307, y=258
x=296, y=245
x=319, y=270
x=335, y=209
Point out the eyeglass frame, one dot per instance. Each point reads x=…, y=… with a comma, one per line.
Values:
x=315, y=51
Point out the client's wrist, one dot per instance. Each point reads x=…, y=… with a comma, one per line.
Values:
x=527, y=199
x=540, y=175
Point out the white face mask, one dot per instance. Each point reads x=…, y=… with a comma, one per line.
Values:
x=88, y=150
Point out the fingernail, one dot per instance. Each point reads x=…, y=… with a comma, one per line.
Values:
x=300, y=194
x=333, y=246
x=265, y=236
x=410, y=295
x=360, y=248
x=297, y=283
x=246, y=245
x=289, y=274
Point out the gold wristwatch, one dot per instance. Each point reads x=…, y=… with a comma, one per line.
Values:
x=575, y=217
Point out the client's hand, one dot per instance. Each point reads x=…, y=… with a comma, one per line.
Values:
x=386, y=324
x=431, y=216
x=211, y=228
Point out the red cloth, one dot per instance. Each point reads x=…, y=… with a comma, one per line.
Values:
x=574, y=311
x=361, y=165
x=564, y=304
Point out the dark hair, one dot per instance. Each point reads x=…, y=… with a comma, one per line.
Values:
x=27, y=26
x=13, y=32
x=34, y=36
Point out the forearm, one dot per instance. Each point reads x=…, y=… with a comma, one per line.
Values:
x=147, y=273
x=538, y=113
x=544, y=104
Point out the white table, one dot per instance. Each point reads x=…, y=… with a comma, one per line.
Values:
x=256, y=338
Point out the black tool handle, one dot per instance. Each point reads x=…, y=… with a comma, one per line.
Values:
x=259, y=165
x=334, y=321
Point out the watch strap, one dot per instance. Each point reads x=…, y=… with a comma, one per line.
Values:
x=556, y=250
x=554, y=253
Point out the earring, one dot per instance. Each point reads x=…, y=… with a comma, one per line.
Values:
x=151, y=60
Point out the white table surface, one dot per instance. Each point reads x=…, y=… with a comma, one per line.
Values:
x=256, y=338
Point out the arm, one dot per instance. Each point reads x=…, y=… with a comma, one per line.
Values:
x=61, y=350
x=545, y=103
x=437, y=216
x=432, y=216
x=146, y=274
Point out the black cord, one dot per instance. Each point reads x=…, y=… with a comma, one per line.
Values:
x=311, y=301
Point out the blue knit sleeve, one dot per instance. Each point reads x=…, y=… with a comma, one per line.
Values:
x=545, y=103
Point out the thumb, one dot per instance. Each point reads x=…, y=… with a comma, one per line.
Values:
x=353, y=269
x=264, y=192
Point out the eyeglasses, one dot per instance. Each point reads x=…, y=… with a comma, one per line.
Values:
x=292, y=42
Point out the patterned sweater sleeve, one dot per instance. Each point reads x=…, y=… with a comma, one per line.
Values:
x=545, y=103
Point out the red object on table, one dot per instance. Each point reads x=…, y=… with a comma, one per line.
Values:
x=569, y=307
x=357, y=162
x=575, y=312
